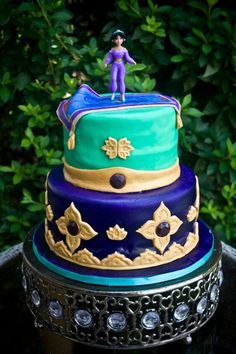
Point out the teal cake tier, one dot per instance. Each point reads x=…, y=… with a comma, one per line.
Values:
x=137, y=139
x=151, y=131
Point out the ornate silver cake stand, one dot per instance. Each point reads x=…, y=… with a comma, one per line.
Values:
x=121, y=317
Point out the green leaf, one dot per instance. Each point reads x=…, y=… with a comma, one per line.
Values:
x=62, y=16
x=175, y=38
x=212, y=2
x=203, y=60
x=132, y=68
x=27, y=194
x=15, y=165
x=17, y=179
x=25, y=143
x=23, y=108
x=152, y=6
x=21, y=81
x=199, y=33
x=160, y=33
x=230, y=147
x=210, y=70
x=211, y=169
x=217, y=153
x=5, y=169
x=193, y=41
x=93, y=43
x=12, y=218
x=211, y=108
x=218, y=38
x=6, y=78
x=26, y=6
x=134, y=6
x=206, y=48
x=189, y=83
x=177, y=58
x=200, y=6
x=224, y=167
x=36, y=207
x=54, y=161
x=29, y=134
x=186, y=101
x=233, y=163
x=193, y=112
x=69, y=81
x=123, y=5
x=4, y=93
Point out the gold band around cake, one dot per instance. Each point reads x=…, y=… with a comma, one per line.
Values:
x=120, y=179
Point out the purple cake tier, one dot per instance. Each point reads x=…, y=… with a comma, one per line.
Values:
x=122, y=231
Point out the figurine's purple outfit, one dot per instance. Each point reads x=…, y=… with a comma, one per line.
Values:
x=117, y=58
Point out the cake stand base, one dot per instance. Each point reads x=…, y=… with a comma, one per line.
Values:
x=121, y=317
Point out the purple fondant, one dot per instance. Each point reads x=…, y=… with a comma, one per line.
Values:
x=86, y=99
x=130, y=211
x=204, y=246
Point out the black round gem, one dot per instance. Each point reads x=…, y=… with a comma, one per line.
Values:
x=72, y=228
x=163, y=229
x=117, y=181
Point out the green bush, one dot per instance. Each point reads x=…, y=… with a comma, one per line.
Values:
x=187, y=51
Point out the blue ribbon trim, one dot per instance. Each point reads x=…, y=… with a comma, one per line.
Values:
x=109, y=281
x=86, y=99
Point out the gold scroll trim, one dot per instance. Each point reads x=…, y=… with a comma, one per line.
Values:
x=136, y=180
x=118, y=261
x=197, y=200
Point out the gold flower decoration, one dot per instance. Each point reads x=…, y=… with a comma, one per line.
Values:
x=192, y=213
x=161, y=227
x=119, y=261
x=116, y=233
x=49, y=212
x=116, y=259
x=114, y=148
x=75, y=229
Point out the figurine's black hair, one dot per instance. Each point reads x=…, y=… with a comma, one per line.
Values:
x=118, y=33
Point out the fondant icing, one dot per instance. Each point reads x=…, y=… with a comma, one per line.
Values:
x=121, y=210
x=102, y=211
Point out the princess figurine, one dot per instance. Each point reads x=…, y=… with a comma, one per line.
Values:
x=118, y=55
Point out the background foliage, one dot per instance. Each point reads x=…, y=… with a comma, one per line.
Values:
x=49, y=48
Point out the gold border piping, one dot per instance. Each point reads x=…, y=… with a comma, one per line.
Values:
x=136, y=180
x=118, y=261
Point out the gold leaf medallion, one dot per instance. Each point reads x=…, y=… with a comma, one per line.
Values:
x=114, y=148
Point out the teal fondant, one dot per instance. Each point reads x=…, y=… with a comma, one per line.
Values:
x=151, y=131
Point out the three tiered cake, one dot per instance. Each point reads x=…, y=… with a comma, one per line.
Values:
x=122, y=214
x=122, y=210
